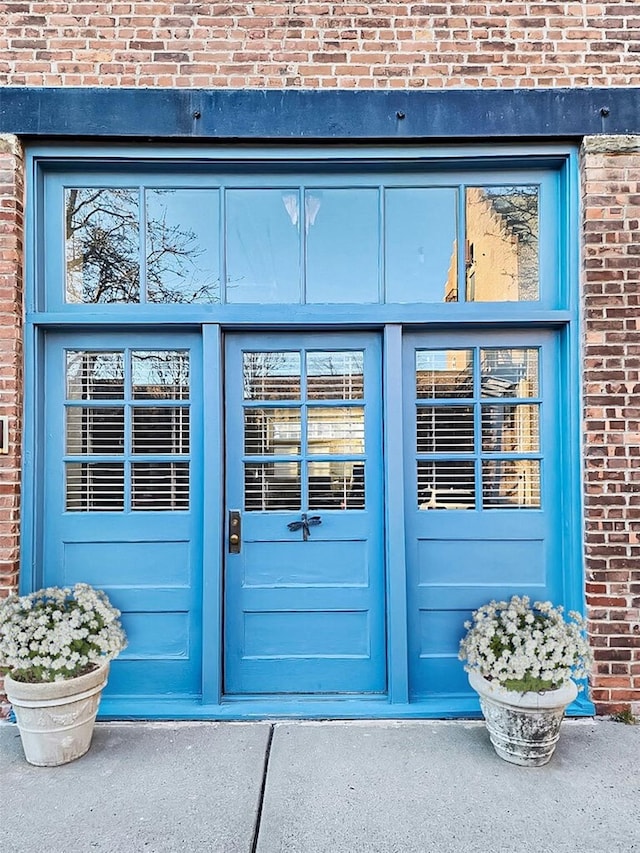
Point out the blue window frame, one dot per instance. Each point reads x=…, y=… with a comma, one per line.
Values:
x=369, y=233
x=397, y=241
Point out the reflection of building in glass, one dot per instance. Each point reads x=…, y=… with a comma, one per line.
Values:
x=307, y=437
x=502, y=244
x=447, y=430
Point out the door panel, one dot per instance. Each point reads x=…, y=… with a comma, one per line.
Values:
x=304, y=598
x=483, y=508
x=123, y=494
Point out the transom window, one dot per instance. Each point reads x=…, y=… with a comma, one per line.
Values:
x=275, y=239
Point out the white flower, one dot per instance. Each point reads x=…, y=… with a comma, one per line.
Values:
x=58, y=633
x=525, y=646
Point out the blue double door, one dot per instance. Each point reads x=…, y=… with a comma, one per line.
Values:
x=279, y=583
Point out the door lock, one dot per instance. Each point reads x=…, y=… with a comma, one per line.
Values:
x=235, y=531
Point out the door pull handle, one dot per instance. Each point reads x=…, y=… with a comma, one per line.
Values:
x=235, y=531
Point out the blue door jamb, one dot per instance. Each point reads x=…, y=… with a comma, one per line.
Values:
x=213, y=513
x=395, y=556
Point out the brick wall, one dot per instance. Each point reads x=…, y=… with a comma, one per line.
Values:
x=383, y=45
x=11, y=223
x=345, y=44
x=611, y=184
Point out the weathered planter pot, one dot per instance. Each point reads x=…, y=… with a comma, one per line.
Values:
x=523, y=727
x=56, y=719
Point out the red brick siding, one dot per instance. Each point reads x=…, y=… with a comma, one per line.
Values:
x=11, y=229
x=384, y=45
x=611, y=184
x=345, y=44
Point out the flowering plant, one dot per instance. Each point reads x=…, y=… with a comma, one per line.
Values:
x=526, y=647
x=55, y=634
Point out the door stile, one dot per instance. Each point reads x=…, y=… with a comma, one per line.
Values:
x=394, y=514
x=213, y=512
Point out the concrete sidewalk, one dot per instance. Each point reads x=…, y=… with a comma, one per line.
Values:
x=388, y=787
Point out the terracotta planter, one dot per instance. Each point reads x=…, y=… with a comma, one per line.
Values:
x=523, y=727
x=56, y=719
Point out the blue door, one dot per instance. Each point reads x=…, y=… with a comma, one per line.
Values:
x=484, y=510
x=304, y=584
x=122, y=494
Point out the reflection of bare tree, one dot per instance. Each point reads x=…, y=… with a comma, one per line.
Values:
x=94, y=375
x=103, y=251
x=271, y=375
x=160, y=374
x=337, y=375
x=174, y=258
x=102, y=248
x=519, y=206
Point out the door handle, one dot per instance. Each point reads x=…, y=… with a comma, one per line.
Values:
x=235, y=531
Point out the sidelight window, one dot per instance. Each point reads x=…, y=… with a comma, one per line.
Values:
x=478, y=428
x=127, y=430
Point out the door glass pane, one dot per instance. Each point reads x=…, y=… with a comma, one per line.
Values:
x=130, y=428
x=420, y=245
x=94, y=430
x=446, y=484
x=102, y=245
x=271, y=375
x=510, y=483
x=335, y=375
x=272, y=486
x=263, y=246
x=159, y=486
x=444, y=373
x=509, y=372
x=335, y=430
x=502, y=244
x=510, y=429
x=94, y=486
x=336, y=485
x=342, y=256
x=445, y=429
x=160, y=430
x=160, y=375
x=269, y=432
x=182, y=246
x=94, y=375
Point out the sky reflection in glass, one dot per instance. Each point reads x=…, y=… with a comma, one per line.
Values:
x=420, y=245
x=342, y=245
x=183, y=257
x=263, y=245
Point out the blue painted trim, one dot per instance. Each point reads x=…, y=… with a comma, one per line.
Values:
x=571, y=391
x=31, y=515
x=60, y=155
x=250, y=317
x=213, y=527
x=397, y=647
x=311, y=114
x=293, y=707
